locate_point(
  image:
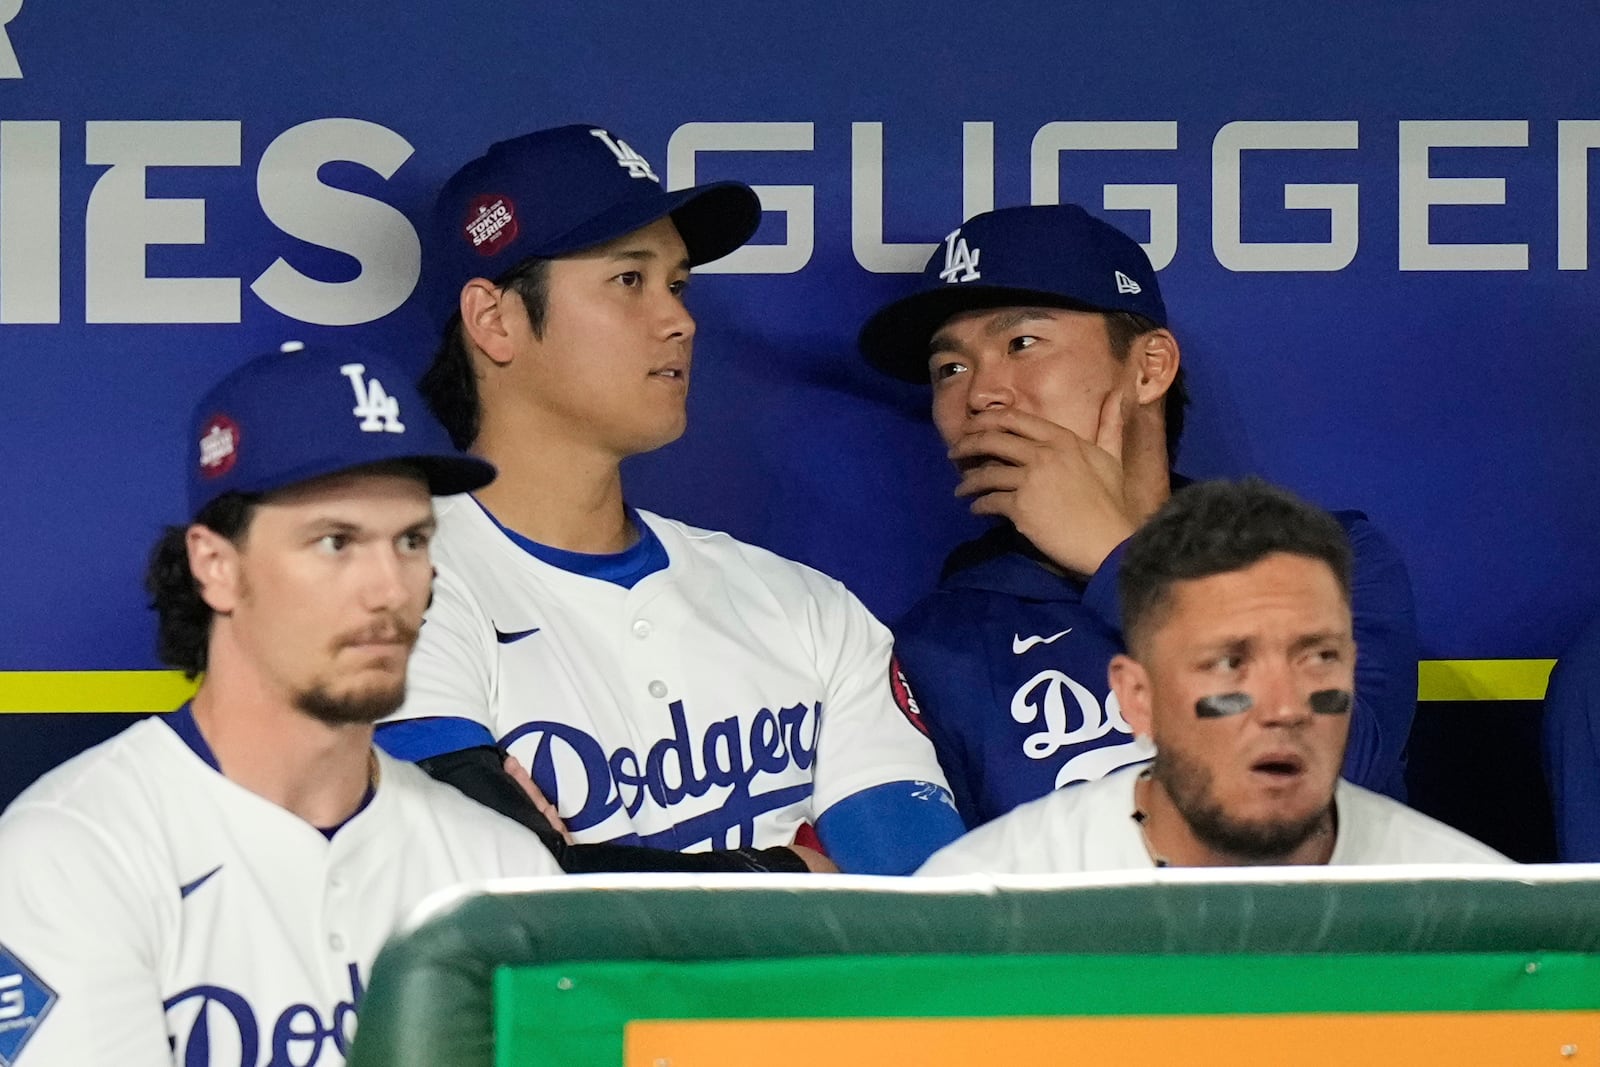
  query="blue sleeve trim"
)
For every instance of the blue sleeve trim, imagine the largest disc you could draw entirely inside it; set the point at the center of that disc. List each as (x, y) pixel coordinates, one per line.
(419, 739)
(890, 828)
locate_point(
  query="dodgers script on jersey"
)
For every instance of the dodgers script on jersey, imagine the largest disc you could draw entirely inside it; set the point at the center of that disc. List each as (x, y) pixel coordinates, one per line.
(152, 911)
(1091, 827)
(1009, 661)
(721, 702)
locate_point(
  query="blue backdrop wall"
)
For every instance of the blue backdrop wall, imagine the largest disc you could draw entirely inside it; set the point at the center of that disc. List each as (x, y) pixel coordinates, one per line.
(1373, 229)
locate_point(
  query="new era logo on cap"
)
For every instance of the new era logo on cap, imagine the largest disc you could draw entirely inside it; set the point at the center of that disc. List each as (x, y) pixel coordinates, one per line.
(1126, 284)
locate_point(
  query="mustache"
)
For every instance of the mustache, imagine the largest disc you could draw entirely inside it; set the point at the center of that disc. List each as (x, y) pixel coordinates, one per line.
(391, 629)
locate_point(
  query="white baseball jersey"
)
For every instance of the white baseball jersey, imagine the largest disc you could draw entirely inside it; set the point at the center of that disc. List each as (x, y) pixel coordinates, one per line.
(1090, 827)
(720, 702)
(152, 911)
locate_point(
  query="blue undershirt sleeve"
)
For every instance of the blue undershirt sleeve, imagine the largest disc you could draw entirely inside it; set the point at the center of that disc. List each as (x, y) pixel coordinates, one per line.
(419, 739)
(890, 828)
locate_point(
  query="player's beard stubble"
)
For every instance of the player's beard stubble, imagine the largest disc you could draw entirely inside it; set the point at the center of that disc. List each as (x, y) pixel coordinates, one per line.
(1188, 784)
(370, 703)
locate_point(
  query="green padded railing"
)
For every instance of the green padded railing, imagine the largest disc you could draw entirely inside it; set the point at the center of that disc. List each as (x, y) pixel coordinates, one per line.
(431, 999)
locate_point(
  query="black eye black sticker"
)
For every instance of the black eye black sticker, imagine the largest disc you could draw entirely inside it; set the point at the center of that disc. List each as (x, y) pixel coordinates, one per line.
(1332, 701)
(1221, 705)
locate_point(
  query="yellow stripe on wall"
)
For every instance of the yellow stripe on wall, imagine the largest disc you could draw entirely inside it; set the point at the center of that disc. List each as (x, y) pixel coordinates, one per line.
(46, 692)
(1483, 679)
(23, 692)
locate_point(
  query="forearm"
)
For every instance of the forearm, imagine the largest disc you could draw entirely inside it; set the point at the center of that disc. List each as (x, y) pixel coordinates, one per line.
(480, 774)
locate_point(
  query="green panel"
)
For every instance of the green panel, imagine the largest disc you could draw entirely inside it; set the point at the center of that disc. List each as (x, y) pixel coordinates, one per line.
(430, 1000)
(572, 1014)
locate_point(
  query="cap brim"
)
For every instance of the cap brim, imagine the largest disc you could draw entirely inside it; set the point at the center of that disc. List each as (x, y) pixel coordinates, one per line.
(449, 475)
(713, 220)
(895, 339)
(446, 475)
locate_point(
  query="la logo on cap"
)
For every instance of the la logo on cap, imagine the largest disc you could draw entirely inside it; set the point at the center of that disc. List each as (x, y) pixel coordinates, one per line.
(635, 164)
(960, 262)
(219, 446)
(491, 223)
(379, 412)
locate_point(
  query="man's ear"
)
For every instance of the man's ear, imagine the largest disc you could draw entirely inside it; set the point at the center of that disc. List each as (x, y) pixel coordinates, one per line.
(483, 317)
(1131, 682)
(1155, 358)
(214, 562)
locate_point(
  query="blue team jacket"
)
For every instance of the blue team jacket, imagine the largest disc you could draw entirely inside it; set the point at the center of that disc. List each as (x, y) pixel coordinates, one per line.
(1572, 748)
(1008, 662)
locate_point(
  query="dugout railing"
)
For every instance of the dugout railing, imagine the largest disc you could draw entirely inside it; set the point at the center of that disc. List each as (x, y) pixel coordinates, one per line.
(1490, 965)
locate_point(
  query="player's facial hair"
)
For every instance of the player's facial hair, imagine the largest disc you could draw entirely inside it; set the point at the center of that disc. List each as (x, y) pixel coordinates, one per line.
(351, 709)
(364, 707)
(1188, 784)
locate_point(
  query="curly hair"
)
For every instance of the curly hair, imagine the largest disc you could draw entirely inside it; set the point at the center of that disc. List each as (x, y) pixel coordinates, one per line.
(183, 635)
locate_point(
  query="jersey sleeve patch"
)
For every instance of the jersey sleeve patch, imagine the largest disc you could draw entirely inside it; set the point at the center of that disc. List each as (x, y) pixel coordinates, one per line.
(904, 699)
(24, 1002)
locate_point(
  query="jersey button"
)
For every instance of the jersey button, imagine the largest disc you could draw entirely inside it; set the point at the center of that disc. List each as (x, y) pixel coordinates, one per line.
(336, 943)
(641, 629)
(658, 689)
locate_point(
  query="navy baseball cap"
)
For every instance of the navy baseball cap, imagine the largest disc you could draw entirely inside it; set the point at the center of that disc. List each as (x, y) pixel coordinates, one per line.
(300, 413)
(1047, 255)
(557, 191)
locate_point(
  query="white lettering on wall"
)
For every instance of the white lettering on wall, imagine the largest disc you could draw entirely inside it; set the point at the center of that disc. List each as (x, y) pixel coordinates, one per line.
(376, 235)
(1340, 201)
(797, 203)
(30, 222)
(121, 222)
(1159, 201)
(1574, 139)
(9, 67)
(866, 195)
(1420, 190)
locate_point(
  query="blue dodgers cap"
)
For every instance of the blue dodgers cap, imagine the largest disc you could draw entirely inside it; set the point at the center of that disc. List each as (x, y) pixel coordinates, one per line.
(1048, 255)
(301, 413)
(552, 192)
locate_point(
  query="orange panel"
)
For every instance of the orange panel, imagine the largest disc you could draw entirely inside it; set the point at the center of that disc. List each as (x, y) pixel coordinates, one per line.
(1462, 1039)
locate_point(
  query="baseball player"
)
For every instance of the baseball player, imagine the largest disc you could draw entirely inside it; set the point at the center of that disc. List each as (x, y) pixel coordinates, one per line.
(1240, 670)
(1058, 388)
(210, 887)
(664, 686)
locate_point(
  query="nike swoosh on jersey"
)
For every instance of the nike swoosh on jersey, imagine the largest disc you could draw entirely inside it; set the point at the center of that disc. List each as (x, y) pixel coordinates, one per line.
(1020, 644)
(506, 638)
(185, 890)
